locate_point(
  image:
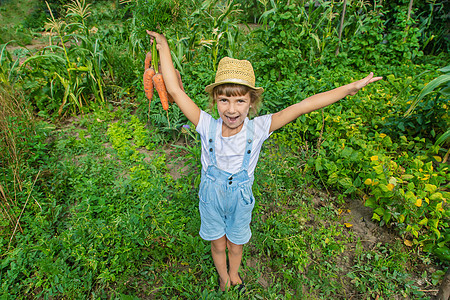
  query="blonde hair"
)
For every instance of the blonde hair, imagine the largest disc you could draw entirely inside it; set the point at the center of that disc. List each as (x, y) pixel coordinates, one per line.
(233, 89)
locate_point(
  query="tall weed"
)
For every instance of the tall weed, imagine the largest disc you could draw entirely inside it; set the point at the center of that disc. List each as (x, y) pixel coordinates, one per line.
(148, 15)
(16, 128)
(68, 75)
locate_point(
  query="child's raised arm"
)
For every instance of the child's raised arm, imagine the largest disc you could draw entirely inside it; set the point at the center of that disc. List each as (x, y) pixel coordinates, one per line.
(318, 101)
(187, 106)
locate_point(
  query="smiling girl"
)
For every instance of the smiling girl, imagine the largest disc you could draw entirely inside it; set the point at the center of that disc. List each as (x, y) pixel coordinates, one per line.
(230, 151)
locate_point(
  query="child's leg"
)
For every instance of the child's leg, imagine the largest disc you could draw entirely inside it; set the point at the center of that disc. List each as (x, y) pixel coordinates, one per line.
(234, 258)
(219, 255)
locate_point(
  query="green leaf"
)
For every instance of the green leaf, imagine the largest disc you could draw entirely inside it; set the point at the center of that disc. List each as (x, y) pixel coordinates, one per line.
(384, 188)
(409, 195)
(318, 164)
(370, 202)
(387, 216)
(433, 223)
(429, 88)
(346, 182)
(378, 169)
(350, 190)
(430, 188)
(436, 196)
(379, 211)
(43, 56)
(286, 15)
(424, 221)
(443, 253)
(357, 182)
(317, 39)
(437, 232)
(376, 217)
(444, 137)
(390, 77)
(445, 69)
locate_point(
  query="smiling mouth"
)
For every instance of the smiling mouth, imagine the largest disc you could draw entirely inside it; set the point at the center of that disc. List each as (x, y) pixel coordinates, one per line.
(232, 119)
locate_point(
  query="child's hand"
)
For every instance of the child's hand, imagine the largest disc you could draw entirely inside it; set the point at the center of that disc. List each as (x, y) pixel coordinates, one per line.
(357, 85)
(159, 38)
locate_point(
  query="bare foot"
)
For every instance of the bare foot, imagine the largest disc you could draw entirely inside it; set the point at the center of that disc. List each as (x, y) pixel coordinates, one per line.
(235, 279)
(224, 283)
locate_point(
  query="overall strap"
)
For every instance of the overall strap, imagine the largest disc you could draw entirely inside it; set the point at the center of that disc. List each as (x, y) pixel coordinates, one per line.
(248, 145)
(212, 141)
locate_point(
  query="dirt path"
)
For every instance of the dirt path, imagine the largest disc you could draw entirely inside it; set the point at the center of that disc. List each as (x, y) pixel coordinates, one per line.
(23, 51)
(372, 235)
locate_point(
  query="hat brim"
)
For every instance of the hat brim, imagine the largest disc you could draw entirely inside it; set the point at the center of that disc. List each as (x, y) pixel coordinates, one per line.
(209, 88)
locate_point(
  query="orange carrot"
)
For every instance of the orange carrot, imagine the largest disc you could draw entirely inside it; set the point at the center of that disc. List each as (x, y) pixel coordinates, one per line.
(160, 87)
(148, 84)
(148, 60)
(169, 96)
(171, 100)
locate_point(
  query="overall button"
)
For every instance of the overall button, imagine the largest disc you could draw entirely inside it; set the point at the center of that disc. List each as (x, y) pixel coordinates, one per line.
(231, 178)
(210, 140)
(249, 151)
(210, 149)
(230, 182)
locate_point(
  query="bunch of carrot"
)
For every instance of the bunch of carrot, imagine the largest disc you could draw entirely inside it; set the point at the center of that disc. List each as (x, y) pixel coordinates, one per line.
(154, 79)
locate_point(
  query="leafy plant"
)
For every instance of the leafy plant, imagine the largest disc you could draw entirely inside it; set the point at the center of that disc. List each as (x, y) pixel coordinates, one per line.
(442, 82)
(147, 15)
(16, 131)
(381, 274)
(8, 67)
(428, 15)
(293, 35)
(423, 111)
(412, 196)
(365, 32)
(73, 73)
(215, 27)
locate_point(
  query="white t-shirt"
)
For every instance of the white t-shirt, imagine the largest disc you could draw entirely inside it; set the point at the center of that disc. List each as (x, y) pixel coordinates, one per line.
(230, 150)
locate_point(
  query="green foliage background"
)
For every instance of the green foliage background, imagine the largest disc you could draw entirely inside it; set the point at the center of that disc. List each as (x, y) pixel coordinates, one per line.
(91, 205)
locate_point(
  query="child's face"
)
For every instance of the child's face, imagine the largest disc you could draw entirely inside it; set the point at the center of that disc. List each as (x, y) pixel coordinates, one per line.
(233, 110)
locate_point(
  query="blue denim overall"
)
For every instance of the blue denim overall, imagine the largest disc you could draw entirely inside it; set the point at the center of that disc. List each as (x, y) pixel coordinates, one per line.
(226, 200)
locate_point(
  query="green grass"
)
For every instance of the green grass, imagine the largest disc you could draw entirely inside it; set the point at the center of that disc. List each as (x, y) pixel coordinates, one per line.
(16, 19)
(14, 12)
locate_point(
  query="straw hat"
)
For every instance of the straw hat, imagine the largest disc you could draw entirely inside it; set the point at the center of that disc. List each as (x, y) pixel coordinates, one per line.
(236, 71)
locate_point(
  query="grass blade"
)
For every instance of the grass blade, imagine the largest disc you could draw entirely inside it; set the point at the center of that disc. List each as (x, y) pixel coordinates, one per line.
(428, 89)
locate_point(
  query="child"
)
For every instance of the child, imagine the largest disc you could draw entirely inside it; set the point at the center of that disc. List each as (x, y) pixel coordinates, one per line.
(230, 150)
